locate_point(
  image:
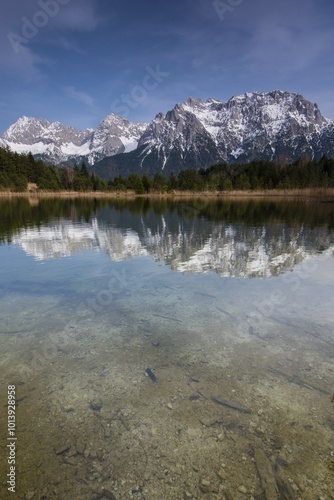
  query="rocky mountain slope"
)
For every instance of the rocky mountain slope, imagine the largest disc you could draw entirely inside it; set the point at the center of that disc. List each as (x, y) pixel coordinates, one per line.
(279, 126)
(58, 143)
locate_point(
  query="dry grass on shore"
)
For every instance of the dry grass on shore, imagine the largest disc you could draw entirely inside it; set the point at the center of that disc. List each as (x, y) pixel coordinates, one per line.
(314, 193)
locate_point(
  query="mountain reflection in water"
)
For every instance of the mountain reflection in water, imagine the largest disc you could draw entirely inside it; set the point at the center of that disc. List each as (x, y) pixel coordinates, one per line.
(238, 239)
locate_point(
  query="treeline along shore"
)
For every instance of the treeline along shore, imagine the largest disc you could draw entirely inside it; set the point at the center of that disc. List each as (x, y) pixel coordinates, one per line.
(22, 173)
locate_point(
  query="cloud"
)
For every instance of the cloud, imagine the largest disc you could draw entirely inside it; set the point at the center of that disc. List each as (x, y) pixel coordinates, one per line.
(80, 96)
(65, 44)
(22, 61)
(25, 30)
(79, 16)
(287, 49)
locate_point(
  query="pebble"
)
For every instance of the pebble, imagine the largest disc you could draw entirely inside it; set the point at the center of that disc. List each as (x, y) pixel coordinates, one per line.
(96, 404)
(208, 422)
(68, 409)
(242, 489)
(222, 474)
(108, 494)
(71, 461)
(106, 430)
(294, 487)
(194, 432)
(176, 469)
(72, 452)
(204, 486)
(169, 406)
(62, 449)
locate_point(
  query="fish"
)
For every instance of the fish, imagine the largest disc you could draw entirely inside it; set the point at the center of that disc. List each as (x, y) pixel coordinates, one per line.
(195, 397)
(229, 404)
(167, 317)
(297, 380)
(151, 375)
(12, 332)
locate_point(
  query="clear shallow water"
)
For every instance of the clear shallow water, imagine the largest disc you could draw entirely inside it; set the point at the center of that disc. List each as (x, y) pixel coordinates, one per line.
(229, 302)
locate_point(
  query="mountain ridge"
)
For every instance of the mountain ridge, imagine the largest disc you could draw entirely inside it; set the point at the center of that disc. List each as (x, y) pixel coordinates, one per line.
(280, 126)
(56, 143)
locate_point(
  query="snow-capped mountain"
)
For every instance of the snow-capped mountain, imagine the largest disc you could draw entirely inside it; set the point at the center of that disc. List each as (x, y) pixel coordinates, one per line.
(261, 124)
(58, 143)
(181, 137)
(114, 135)
(52, 141)
(279, 126)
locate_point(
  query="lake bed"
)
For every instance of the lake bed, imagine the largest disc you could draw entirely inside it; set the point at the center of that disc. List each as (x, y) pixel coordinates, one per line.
(169, 349)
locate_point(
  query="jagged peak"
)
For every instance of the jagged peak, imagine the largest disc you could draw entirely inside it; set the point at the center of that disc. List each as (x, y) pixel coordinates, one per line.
(119, 121)
(192, 101)
(276, 95)
(250, 125)
(24, 121)
(160, 116)
(112, 117)
(213, 100)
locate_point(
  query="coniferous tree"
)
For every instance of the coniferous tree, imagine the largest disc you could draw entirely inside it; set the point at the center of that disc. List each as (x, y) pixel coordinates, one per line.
(147, 183)
(160, 183)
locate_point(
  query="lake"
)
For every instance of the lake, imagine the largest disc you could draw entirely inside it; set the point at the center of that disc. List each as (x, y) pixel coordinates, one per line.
(166, 349)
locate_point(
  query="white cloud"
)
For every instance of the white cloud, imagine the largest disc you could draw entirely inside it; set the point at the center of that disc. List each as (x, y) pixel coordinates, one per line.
(65, 44)
(20, 60)
(80, 96)
(286, 49)
(78, 15)
(20, 29)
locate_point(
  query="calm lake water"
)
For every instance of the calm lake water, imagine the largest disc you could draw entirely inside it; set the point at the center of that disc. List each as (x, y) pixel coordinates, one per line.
(168, 350)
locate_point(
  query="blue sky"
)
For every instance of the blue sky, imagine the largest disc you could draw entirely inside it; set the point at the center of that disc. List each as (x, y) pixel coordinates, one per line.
(77, 61)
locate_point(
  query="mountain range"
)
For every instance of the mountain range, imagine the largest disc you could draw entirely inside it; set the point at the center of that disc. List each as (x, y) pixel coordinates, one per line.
(279, 126)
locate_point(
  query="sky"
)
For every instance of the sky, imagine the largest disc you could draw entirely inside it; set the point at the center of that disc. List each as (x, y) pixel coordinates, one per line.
(76, 61)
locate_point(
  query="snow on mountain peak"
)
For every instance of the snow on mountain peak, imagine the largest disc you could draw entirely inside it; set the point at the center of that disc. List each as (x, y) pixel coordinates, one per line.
(58, 143)
(253, 125)
(115, 135)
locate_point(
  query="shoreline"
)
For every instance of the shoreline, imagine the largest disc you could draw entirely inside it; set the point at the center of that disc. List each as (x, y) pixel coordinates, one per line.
(307, 193)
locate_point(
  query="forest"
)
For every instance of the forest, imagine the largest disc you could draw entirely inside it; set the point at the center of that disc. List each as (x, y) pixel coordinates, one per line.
(22, 172)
